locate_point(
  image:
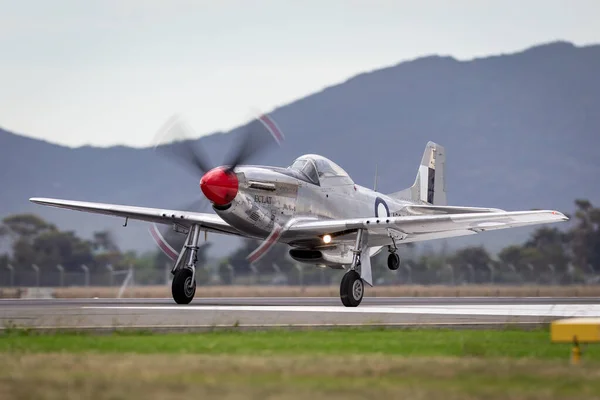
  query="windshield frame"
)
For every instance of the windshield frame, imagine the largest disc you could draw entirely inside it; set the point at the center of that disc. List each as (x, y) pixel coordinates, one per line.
(308, 166)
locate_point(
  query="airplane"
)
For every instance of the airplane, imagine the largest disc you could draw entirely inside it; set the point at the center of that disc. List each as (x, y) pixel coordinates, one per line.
(313, 206)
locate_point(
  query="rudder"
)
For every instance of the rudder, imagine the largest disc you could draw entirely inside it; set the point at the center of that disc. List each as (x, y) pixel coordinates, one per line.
(430, 183)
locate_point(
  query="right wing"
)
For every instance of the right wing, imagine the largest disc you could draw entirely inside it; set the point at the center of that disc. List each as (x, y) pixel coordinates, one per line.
(208, 222)
(424, 227)
(422, 209)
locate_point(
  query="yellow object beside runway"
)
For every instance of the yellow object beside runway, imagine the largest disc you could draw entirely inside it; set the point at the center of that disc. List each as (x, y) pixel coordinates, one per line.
(586, 330)
(576, 331)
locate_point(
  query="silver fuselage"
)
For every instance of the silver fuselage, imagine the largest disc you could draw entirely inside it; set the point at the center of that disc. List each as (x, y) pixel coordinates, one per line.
(269, 196)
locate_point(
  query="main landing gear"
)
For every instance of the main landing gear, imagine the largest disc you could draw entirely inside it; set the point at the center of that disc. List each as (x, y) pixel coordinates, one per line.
(352, 287)
(183, 287)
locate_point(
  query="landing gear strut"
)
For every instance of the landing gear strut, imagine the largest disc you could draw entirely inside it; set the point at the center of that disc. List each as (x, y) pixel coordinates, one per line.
(183, 287)
(352, 287)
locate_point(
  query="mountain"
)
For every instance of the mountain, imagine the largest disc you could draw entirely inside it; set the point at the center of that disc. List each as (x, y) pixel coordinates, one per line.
(521, 131)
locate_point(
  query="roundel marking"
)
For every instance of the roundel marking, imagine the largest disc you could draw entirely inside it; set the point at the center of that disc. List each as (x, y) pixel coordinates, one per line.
(381, 208)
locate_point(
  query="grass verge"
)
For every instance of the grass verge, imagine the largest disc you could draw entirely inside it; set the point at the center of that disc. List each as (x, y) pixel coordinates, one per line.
(159, 376)
(511, 343)
(339, 363)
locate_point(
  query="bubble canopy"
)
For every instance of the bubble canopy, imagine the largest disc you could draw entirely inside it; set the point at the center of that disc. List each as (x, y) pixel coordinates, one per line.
(321, 171)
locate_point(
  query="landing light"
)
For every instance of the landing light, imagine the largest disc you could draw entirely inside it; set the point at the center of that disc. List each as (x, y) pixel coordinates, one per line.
(326, 238)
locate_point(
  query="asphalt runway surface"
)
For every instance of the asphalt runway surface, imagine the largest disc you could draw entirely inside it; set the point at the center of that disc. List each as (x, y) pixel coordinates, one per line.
(266, 312)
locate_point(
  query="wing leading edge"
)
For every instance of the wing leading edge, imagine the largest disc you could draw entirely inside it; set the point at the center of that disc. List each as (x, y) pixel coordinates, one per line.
(420, 227)
(209, 222)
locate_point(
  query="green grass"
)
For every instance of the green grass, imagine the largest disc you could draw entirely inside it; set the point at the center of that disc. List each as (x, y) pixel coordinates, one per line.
(331, 364)
(512, 343)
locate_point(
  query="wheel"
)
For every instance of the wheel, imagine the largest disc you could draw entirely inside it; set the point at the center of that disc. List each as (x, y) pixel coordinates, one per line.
(393, 261)
(352, 289)
(182, 287)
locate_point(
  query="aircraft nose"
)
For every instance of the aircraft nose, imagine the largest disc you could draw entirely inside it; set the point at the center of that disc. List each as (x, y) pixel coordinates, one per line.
(219, 186)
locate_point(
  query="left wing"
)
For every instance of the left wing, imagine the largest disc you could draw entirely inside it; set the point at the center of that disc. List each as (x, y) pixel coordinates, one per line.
(422, 227)
(208, 222)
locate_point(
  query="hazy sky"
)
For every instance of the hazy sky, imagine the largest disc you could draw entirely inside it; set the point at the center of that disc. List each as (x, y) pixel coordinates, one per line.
(107, 72)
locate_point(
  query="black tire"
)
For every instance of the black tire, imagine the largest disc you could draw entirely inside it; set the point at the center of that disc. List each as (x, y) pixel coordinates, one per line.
(393, 261)
(352, 289)
(180, 287)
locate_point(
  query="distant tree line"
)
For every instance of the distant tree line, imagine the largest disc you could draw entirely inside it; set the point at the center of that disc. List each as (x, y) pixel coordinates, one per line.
(551, 254)
(34, 241)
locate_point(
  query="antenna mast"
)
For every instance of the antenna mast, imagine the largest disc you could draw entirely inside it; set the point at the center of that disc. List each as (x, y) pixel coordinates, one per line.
(375, 185)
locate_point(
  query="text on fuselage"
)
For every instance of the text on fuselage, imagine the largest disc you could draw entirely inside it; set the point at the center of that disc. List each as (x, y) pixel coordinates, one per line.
(263, 199)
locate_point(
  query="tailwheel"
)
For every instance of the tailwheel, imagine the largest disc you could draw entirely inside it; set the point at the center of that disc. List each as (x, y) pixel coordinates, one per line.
(352, 289)
(393, 261)
(183, 287)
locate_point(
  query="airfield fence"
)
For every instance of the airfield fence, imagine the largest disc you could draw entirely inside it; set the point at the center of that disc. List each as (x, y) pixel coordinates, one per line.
(300, 275)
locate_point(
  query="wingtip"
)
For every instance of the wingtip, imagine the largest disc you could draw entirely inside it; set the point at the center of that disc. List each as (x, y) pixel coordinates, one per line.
(560, 215)
(40, 200)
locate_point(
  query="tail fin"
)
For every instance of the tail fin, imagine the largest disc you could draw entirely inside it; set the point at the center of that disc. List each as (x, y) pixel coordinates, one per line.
(430, 184)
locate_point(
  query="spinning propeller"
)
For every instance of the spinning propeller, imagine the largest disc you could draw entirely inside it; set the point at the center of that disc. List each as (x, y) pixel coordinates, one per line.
(219, 184)
(170, 241)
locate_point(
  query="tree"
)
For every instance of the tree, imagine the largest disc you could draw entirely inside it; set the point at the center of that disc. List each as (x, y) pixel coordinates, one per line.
(104, 241)
(585, 236)
(3, 231)
(4, 234)
(26, 225)
(473, 263)
(106, 251)
(552, 249)
(52, 248)
(225, 274)
(523, 259)
(511, 255)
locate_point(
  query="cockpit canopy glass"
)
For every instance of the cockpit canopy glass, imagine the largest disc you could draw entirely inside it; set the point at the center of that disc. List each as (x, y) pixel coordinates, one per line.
(306, 167)
(320, 170)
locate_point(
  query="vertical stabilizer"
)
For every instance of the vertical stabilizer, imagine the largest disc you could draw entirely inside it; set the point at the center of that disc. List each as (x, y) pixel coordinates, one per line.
(430, 184)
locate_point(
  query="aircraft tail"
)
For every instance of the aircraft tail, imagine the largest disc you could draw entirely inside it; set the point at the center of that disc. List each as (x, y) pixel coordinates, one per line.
(430, 184)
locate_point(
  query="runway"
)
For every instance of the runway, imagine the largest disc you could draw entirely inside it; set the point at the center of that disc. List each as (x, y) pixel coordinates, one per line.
(299, 312)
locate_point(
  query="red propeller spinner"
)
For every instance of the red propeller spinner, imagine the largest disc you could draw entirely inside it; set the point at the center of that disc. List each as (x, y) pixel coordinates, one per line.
(219, 186)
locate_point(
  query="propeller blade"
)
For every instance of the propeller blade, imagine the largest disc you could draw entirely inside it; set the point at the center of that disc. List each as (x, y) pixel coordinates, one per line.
(270, 241)
(164, 244)
(175, 140)
(169, 241)
(256, 137)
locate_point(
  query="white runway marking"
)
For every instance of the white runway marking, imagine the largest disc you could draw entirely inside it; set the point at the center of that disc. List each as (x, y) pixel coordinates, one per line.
(524, 310)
